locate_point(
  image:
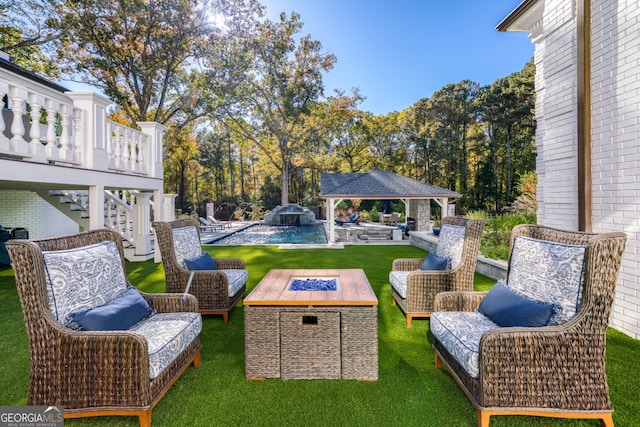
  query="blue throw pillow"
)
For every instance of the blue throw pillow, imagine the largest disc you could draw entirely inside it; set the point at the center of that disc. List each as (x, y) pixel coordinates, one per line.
(506, 308)
(435, 262)
(203, 262)
(118, 314)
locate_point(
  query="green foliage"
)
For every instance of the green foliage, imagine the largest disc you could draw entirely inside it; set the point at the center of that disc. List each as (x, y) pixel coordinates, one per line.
(137, 52)
(497, 232)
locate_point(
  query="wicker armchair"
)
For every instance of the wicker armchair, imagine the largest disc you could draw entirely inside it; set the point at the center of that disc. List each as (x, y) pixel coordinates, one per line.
(423, 285)
(92, 373)
(554, 371)
(210, 287)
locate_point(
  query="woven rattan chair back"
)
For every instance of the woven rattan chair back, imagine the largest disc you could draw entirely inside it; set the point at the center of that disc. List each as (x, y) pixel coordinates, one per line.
(209, 287)
(89, 373)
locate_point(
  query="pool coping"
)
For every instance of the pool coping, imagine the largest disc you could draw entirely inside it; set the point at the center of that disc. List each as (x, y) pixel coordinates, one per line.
(208, 238)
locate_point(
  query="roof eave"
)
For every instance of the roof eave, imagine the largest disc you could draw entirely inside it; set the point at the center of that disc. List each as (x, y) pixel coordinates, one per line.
(10, 66)
(518, 19)
(391, 196)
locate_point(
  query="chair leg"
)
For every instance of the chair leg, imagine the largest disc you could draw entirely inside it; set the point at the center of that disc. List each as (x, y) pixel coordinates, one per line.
(393, 301)
(607, 420)
(483, 418)
(438, 361)
(145, 418)
(225, 317)
(409, 319)
(196, 361)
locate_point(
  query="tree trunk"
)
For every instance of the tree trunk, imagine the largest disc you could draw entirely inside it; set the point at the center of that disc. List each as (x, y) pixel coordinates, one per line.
(284, 197)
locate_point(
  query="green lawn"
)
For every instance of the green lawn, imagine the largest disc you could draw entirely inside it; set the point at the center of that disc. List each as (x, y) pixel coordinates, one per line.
(409, 392)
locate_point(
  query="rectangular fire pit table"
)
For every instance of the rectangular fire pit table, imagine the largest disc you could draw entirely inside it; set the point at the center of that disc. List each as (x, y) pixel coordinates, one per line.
(327, 328)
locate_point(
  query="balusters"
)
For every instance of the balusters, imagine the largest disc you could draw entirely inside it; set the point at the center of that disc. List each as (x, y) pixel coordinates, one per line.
(111, 144)
(77, 128)
(140, 166)
(4, 90)
(35, 102)
(117, 153)
(35, 147)
(110, 213)
(119, 222)
(65, 149)
(128, 231)
(126, 148)
(17, 104)
(51, 149)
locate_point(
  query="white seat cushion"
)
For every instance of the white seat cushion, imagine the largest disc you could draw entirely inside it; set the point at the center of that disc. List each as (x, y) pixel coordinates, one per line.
(398, 280)
(459, 333)
(237, 279)
(167, 335)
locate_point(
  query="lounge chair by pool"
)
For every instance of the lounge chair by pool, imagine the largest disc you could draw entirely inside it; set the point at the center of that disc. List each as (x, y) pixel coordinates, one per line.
(353, 219)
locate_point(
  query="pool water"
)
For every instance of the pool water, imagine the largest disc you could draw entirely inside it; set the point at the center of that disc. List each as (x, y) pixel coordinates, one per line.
(261, 234)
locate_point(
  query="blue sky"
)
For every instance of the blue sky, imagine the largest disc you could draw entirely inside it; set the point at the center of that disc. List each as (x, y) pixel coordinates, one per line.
(399, 51)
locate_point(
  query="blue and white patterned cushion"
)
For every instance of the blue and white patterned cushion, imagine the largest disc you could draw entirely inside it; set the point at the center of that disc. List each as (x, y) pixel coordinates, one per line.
(236, 279)
(548, 272)
(459, 332)
(167, 335)
(83, 278)
(398, 280)
(451, 243)
(186, 244)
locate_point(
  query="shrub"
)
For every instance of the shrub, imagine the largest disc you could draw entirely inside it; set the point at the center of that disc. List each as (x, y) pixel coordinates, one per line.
(497, 231)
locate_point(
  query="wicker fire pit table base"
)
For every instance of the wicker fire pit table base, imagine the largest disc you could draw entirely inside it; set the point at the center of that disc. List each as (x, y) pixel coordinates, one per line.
(312, 324)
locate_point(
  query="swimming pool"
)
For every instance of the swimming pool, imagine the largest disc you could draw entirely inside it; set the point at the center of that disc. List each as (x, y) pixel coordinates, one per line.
(260, 234)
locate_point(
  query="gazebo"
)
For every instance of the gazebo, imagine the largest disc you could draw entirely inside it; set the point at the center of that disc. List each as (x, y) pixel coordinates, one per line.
(382, 185)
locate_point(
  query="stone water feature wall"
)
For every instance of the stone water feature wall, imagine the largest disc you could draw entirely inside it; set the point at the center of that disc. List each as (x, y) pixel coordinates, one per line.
(292, 214)
(420, 210)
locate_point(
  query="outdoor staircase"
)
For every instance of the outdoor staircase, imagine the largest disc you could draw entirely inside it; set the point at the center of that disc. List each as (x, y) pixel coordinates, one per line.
(118, 216)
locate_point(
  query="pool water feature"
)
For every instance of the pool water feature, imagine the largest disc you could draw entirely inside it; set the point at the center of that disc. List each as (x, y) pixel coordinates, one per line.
(291, 214)
(261, 234)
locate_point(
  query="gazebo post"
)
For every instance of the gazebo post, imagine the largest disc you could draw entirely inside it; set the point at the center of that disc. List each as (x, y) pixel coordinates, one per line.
(331, 218)
(443, 203)
(406, 211)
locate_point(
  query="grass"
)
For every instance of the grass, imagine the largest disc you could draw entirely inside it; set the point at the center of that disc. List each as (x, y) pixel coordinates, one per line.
(409, 392)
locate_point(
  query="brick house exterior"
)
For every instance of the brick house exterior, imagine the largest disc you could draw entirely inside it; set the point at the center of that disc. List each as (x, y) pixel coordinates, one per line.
(603, 132)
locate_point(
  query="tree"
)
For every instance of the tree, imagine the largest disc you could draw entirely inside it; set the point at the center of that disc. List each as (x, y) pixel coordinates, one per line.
(344, 130)
(507, 107)
(25, 35)
(265, 81)
(137, 52)
(181, 168)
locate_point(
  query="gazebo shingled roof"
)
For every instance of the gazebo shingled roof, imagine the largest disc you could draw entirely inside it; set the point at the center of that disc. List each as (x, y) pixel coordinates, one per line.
(379, 184)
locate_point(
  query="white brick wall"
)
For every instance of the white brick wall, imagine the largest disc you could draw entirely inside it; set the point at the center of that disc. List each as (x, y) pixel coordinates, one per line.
(556, 139)
(615, 133)
(28, 210)
(616, 144)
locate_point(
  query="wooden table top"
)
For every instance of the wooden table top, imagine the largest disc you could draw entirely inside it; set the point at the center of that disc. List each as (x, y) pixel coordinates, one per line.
(354, 289)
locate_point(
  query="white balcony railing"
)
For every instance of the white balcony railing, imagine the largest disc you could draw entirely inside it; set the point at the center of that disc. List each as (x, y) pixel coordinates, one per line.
(43, 123)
